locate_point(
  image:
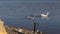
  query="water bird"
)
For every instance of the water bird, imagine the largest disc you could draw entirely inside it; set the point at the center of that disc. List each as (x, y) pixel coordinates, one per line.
(44, 15)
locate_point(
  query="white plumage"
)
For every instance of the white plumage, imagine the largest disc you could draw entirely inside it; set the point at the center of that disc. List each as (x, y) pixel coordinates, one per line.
(44, 15)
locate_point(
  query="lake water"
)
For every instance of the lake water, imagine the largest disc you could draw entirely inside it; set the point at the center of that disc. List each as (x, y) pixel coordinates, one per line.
(13, 12)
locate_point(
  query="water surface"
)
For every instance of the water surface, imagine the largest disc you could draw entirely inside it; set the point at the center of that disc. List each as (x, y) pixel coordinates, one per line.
(12, 11)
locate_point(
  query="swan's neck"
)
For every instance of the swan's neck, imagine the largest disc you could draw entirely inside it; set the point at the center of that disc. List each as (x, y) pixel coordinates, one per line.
(47, 14)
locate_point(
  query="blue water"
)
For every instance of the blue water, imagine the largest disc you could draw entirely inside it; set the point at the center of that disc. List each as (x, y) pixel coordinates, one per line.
(13, 12)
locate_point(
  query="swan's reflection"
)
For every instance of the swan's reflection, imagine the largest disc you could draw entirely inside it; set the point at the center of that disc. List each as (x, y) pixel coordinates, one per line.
(44, 18)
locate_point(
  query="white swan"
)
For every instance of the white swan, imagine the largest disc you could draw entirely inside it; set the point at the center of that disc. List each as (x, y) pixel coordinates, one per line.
(45, 15)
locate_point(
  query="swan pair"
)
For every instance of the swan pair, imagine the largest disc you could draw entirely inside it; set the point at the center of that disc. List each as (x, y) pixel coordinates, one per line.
(41, 15)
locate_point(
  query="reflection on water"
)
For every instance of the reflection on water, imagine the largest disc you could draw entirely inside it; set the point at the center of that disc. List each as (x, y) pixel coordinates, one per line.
(44, 18)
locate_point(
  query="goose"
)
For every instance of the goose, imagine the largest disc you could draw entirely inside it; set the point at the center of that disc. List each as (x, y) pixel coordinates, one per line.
(44, 15)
